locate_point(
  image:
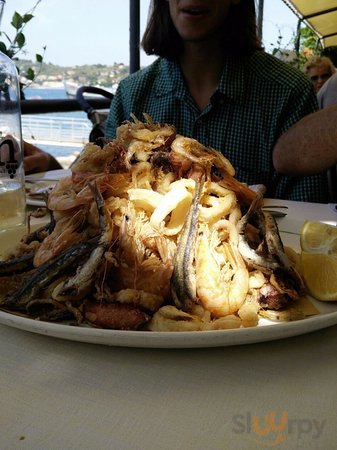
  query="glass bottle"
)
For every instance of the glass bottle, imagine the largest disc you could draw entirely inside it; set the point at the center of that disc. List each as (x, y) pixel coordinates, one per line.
(12, 177)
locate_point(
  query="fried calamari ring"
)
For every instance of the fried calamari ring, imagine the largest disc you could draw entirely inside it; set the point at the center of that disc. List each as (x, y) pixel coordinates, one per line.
(146, 199)
(169, 216)
(187, 183)
(216, 203)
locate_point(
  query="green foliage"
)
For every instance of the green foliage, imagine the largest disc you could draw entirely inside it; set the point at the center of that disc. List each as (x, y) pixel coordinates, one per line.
(309, 40)
(15, 46)
(308, 45)
(301, 47)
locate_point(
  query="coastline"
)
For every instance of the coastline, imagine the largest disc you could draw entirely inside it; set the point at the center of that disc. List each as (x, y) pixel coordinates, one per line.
(65, 150)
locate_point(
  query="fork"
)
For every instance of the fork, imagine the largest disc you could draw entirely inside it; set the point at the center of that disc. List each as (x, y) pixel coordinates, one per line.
(276, 210)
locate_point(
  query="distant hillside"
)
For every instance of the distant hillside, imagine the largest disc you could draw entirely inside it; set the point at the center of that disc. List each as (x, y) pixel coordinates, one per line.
(96, 74)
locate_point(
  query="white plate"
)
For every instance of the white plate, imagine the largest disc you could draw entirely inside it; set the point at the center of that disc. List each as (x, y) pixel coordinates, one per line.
(51, 176)
(189, 339)
(30, 201)
(266, 331)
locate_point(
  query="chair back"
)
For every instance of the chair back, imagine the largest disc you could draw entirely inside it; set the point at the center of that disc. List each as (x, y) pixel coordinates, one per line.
(98, 118)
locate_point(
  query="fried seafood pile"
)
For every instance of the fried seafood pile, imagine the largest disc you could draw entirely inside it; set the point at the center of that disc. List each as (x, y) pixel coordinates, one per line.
(152, 232)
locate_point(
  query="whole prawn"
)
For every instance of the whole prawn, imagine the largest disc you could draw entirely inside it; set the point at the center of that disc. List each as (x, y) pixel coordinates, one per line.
(69, 230)
(220, 291)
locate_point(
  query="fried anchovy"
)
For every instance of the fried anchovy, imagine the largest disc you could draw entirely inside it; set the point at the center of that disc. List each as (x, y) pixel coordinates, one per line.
(36, 235)
(84, 275)
(17, 265)
(274, 243)
(183, 289)
(46, 273)
(266, 263)
(276, 248)
(24, 262)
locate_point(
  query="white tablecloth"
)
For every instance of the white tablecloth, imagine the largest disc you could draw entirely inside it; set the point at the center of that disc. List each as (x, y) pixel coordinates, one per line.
(59, 394)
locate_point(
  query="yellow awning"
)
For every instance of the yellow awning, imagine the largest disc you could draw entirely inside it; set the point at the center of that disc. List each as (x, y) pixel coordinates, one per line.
(320, 15)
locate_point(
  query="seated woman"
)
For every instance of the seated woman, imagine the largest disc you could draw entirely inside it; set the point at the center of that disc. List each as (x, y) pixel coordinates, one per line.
(214, 81)
(319, 69)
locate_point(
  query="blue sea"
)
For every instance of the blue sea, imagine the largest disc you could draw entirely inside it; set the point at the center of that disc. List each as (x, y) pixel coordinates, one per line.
(54, 93)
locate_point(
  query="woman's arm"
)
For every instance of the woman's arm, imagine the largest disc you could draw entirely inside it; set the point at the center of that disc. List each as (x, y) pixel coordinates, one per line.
(309, 146)
(36, 160)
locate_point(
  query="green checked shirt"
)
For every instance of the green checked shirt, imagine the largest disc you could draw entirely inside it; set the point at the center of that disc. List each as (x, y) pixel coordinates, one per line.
(258, 99)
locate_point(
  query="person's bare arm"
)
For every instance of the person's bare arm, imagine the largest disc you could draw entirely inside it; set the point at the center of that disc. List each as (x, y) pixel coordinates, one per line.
(36, 160)
(309, 146)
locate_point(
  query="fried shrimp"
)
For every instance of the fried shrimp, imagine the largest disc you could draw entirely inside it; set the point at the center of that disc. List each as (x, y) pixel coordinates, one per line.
(67, 232)
(221, 288)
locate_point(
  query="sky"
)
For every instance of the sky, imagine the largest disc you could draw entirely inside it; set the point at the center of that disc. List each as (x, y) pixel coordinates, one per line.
(78, 32)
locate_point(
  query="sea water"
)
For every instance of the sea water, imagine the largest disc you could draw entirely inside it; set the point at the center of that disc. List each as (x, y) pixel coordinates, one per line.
(65, 154)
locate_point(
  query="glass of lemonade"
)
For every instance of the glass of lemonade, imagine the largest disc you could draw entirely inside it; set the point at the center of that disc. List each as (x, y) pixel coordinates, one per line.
(12, 204)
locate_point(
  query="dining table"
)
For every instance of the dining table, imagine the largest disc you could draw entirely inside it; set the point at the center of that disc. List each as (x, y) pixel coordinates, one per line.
(130, 392)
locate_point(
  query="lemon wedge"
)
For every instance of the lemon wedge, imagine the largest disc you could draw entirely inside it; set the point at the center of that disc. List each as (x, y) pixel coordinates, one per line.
(319, 272)
(317, 237)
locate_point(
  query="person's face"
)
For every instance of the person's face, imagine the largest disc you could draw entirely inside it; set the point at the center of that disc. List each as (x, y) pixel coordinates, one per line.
(318, 76)
(196, 20)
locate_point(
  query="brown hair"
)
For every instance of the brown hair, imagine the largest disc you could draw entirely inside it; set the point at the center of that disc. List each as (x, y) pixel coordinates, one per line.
(240, 31)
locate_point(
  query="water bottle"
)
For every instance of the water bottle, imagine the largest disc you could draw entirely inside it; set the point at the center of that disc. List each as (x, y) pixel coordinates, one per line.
(12, 179)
